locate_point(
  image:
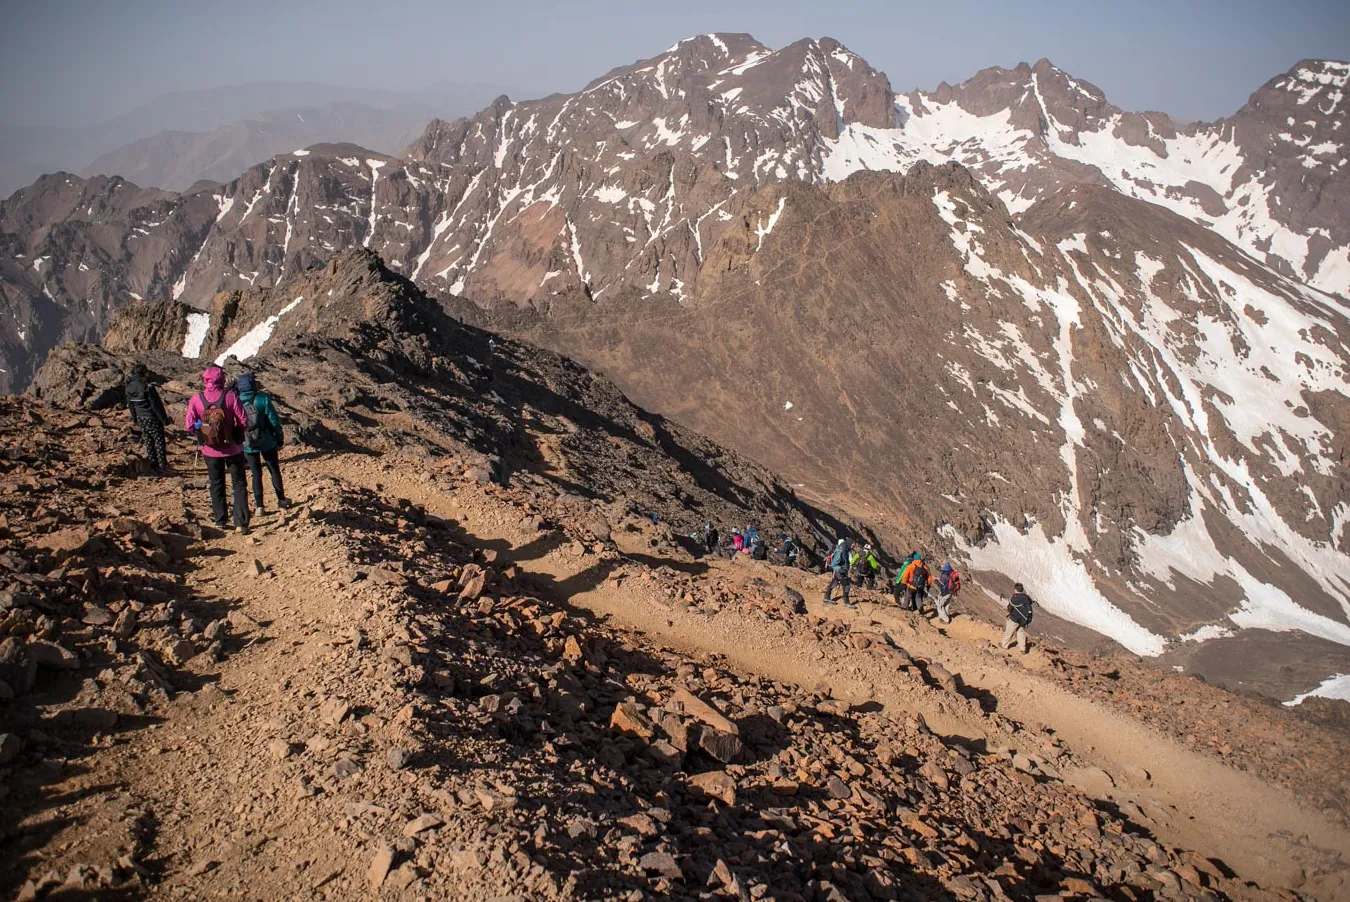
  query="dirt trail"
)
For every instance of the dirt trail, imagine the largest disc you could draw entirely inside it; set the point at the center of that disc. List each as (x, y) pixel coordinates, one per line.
(1185, 797)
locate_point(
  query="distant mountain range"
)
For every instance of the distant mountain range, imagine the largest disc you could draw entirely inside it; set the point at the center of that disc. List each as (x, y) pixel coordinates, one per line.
(228, 129)
(1092, 349)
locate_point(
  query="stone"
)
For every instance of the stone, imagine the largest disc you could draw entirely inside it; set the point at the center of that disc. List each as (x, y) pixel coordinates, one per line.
(572, 652)
(661, 862)
(397, 758)
(10, 746)
(242, 622)
(935, 774)
(700, 710)
(380, 864)
(334, 710)
(724, 747)
(641, 824)
(837, 789)
(257, 568)
(88, 718)
(125, 625)
(50, 656)
(628, 719)
(495, 801)
(279, 749)
(677, 731)
(180, 651)
(717, 784)
(97, 615)
(65, 543)
(421, 824)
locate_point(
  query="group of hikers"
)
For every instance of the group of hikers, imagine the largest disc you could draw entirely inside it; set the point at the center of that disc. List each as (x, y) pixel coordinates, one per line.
(913, 587)
(237, 429)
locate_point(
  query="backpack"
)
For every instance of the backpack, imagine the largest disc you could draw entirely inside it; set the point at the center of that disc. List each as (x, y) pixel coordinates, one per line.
(216, 430)
(918, 576)
(1020, 610)
(256, 426)
(953, 583)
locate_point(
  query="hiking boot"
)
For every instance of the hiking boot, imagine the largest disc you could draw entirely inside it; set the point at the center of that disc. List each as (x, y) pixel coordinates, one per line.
(851, 605)
(283, 504)
(830, 601)
(241, 530)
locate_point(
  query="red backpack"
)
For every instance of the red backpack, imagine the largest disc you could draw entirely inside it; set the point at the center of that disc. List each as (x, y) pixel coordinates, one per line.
(216, 430)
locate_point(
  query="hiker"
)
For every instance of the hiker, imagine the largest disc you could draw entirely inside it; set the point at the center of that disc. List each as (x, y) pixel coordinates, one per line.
(709, 538)
(838, 564)
(263, 439)
(915, 579)
(1019, 618)
(948, 584)
(216, 418)
(148, 413)
(750, 535)
(866, 567)
(790, 550)
(737, 542)
(758, 550)
(898, 586)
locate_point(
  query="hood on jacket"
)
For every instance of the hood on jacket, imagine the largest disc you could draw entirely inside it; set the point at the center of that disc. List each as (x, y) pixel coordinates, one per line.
(213, 379)
(246, 383)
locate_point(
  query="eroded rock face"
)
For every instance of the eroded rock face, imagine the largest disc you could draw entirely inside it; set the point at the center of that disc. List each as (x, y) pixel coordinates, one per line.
(1075, 398)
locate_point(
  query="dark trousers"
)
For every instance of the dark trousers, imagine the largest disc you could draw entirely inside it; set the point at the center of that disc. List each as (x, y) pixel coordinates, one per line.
(152, 433)
(215, 471)
(272, 459)
(837, 579)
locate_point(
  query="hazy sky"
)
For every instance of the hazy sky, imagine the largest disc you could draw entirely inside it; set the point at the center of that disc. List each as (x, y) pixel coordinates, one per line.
(75, 61)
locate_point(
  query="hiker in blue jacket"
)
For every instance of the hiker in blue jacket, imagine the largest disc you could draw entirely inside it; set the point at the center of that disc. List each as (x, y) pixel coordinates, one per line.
(839, 566)
(263, 439)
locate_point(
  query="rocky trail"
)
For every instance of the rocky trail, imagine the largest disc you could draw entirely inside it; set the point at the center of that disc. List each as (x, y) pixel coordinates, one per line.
(419, 684)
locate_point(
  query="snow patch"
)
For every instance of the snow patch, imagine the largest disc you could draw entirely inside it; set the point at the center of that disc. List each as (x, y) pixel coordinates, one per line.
(252, 341)
(1337, 686)
(198, 325)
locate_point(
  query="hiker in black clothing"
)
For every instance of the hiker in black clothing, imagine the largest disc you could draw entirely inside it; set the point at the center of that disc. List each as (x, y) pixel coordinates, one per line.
(710, 538)
(148, 413)
(1019, 618)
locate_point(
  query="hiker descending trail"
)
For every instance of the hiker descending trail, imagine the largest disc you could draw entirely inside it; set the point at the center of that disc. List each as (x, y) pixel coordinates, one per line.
(263, 440)
(216, 419)
(148, 413)
(1019, 618)
(948, 584)
(866, 567)
(914, 579)
(839, 567)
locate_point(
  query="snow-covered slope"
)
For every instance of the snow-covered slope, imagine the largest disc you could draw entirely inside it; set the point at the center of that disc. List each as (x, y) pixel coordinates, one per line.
(1271, 179)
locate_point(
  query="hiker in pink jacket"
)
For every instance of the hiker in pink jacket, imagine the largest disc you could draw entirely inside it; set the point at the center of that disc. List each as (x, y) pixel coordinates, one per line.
(216, 418)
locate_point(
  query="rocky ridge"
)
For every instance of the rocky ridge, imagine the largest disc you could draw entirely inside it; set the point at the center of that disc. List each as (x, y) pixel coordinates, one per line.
(1098, 431)
(418, 713)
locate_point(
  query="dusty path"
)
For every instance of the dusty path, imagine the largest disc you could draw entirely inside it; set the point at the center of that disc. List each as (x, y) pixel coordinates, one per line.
(1185, 797)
